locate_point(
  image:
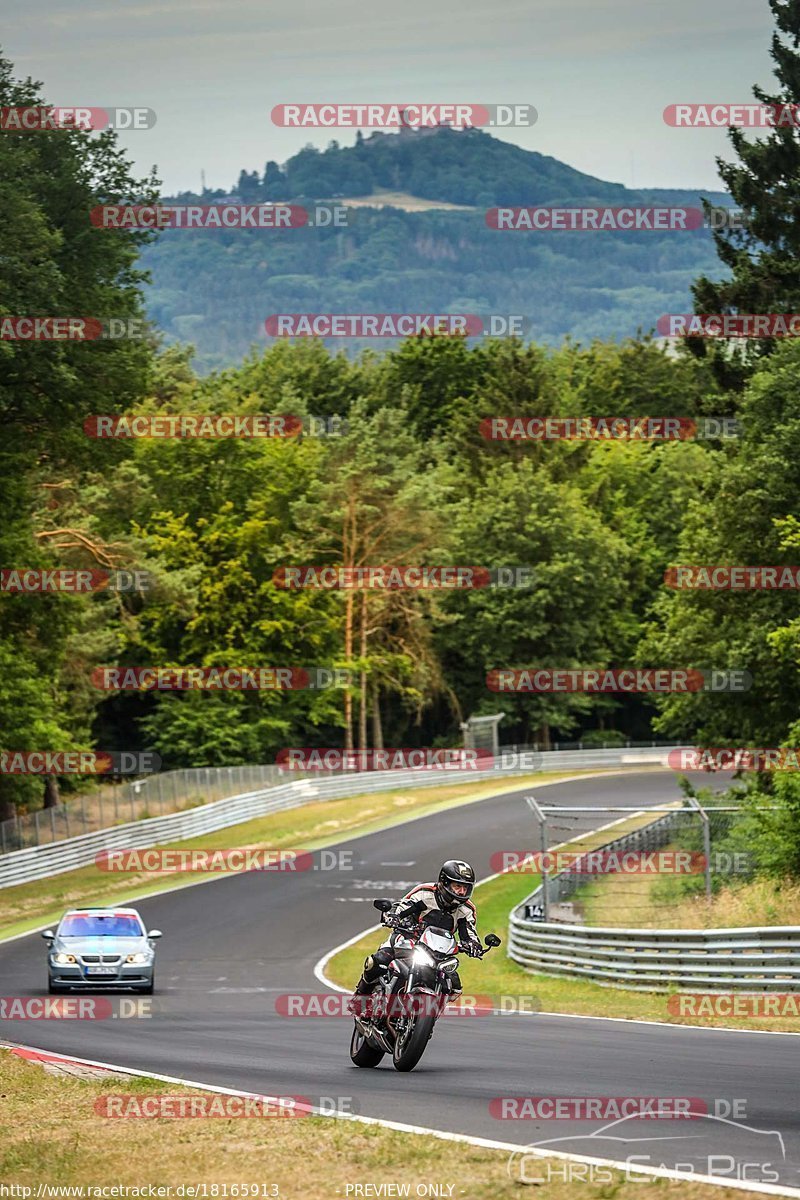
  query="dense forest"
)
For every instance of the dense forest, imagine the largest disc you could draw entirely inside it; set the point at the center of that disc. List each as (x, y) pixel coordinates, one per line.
(405, 477)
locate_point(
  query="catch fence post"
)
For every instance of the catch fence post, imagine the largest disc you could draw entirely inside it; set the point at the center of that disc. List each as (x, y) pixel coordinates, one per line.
(706, 842)
(542, 819)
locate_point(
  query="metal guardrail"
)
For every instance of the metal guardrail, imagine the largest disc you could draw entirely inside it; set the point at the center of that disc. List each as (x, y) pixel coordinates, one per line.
(662, 960)
(751, 959)
(39, 862)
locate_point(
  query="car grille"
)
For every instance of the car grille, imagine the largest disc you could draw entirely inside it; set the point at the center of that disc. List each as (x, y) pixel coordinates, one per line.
(109, 959)
(112, 959)
(91, 958)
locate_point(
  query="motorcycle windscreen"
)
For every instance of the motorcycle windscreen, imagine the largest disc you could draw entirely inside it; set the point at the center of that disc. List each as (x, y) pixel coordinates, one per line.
(438, 940)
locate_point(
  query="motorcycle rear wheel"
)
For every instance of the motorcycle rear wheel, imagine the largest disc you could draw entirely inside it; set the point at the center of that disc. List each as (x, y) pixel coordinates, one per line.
(361, 1052)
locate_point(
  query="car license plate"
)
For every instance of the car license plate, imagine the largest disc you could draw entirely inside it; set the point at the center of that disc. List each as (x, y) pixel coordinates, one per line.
(101, 970)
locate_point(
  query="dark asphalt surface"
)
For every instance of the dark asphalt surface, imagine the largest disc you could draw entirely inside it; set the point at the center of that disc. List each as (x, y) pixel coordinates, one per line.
(230, 947)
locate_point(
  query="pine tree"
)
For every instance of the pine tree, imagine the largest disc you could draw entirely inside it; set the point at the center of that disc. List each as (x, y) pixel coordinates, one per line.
(764, 255)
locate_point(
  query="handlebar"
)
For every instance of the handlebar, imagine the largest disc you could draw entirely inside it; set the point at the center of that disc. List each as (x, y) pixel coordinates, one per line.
(398, 923)
(462, 949)
(403, 925)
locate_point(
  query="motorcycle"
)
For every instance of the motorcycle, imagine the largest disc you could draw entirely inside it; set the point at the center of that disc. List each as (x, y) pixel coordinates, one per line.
(399, 1015)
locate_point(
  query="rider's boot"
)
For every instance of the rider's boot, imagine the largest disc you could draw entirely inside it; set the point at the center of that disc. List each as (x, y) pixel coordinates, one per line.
(364, 986)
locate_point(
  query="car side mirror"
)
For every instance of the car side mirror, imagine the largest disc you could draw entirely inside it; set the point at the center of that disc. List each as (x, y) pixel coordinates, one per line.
(382, 905)
(48, 935)
(155, 933)
(491, 940)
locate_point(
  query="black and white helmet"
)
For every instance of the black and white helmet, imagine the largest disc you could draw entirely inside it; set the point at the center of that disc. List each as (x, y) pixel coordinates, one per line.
(455, 884)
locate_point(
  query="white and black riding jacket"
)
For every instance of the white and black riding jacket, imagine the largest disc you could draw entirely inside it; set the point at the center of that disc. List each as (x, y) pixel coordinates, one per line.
(422, 899)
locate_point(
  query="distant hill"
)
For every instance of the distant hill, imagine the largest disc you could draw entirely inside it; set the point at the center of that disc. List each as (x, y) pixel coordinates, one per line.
(216, 288)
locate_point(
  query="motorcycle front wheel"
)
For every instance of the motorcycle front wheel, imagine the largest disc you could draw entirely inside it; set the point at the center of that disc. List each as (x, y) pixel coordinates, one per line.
(409, 1050)
(361, 1052)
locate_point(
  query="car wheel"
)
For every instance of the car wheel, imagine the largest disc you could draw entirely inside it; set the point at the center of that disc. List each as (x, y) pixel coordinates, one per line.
(55, 989)
(148, 988)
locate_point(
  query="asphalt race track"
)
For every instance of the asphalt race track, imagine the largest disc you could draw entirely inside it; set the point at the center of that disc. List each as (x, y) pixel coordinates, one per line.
(230, 947)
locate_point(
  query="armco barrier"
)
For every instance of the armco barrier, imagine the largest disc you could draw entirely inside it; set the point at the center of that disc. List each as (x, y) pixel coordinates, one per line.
(654, 960)
(39, 862)
(661, 960)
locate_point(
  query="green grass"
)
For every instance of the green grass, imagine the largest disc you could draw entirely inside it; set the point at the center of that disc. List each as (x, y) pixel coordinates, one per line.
(51, 1134)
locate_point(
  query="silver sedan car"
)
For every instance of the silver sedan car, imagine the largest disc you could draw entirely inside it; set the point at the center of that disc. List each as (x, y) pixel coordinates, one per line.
(101, 948)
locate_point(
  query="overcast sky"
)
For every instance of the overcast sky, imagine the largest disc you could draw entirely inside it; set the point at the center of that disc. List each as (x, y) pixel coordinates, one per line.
(599, 72)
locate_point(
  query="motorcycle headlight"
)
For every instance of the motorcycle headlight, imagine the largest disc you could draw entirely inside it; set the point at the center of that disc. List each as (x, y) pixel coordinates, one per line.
(136, 958)
(63, 959)
(422, 958)
(449, 964)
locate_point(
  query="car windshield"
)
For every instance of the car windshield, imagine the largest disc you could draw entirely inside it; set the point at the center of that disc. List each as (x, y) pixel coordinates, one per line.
(100, 925)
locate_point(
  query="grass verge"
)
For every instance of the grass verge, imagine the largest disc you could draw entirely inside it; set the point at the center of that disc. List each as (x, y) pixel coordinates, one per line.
(50, 1134)
(664, 902)
(309, 827)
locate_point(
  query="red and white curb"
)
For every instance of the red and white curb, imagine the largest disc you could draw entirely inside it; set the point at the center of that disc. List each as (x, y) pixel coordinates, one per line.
(58, 1064)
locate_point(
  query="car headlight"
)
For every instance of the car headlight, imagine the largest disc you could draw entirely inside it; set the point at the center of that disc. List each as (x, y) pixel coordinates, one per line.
(63, 959)
(422, 958)
(137, 958)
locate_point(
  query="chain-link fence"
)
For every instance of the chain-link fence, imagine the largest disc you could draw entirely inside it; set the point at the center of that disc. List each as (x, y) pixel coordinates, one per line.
(152, 796)
(637, 868)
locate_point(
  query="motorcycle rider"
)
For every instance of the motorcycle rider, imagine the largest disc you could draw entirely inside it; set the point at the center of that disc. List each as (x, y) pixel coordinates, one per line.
(450, 895)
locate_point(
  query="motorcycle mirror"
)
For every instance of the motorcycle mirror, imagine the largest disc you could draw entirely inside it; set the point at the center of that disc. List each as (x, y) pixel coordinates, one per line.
(382, 905)
(491, 940)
